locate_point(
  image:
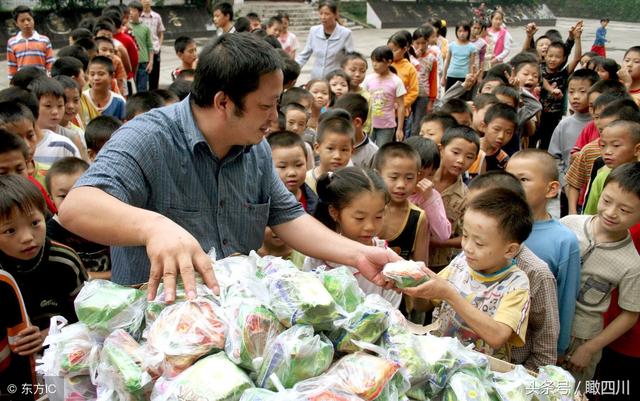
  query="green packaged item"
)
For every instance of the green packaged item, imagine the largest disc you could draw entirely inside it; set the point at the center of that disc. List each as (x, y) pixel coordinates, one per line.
(214, 378)
(105, 306)
(366, 323)
(441, 364)
(259, 394)
(159, 303)
(465, 387)
(559, 384)
(343, 287)
(404, 348)
(405, 273)
(122, 353)
(363, 374)
(300, 298)
(515, 385)
(295, 355)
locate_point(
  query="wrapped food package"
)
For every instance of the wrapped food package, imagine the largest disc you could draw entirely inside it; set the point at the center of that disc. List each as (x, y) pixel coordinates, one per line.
(563, 384)
(79, 388)
(405, 273)
(239, 280)
(183, 333)
(317, 391)
(72, 351)
(514, 385)
(363, 374)
(343, 287)
(159, 303)
(105, 306)
(404, 348)
(366, 323)
(295, 355)
(465, 387)
(213, 378)
(300, 298)
(251, 328)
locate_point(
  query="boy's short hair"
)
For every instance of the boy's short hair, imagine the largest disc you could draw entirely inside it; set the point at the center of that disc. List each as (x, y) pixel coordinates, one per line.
(242, 24)
(186, 74)
(282, 121)
(604, 19)
(461, 132)
(68, 83)
(482, 100)
(446, 120)
(508, 91)
(622, 109)
(136, 4)
(10, 142)
(293, 106)
(87, 44)
(291, 70)
(335, 121)
(355, 104)
(115, 16)
(608, 86)
(64, 166)
(75, 51)
(99, 131)
(79, 33)
(142, 102)
(21, 10)
(455, 105)
(605, 99)
(395, 150)
(166, 95)
(509, 209)
(225, 8)
(294, 95)
(181, 43)
(103, 24)
(46, 86)
(632, 127)
(557, 44)
(26, 75)
(287, 139)
(104, 61)
(627, 176)
(253, 16)
(500, 71)
(105, 39)
(545, 160)
(501, 110)
(67, 66)
(276, 19)
(181, 87)
(14, 112)
(17, 193)
(497, 179)
(19, 96)
(584, 74)
(427, 149)
(525, 58)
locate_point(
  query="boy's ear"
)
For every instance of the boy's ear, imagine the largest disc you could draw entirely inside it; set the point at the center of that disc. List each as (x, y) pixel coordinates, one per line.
(440, 148)
(553, 188)
(636, 151)
(316, 146)
(512, 250)
(357, 122)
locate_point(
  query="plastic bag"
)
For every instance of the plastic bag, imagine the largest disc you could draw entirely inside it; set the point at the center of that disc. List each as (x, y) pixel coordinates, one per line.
(72, 350)
(366, 323)
(155, 307)
(515, 385)
(405, 273)
(183, 333)
(79, 388)
(558, 384)
(404, 348)
(238, 279)
(363, 374)
(104, 307)
(300, 298)
(465, 387)
(295, 355)
(343, 287)
(316, 392)
(214, 378)
(251, 328)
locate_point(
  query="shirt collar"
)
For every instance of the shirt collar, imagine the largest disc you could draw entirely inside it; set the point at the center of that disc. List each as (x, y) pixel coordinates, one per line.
(34, 36)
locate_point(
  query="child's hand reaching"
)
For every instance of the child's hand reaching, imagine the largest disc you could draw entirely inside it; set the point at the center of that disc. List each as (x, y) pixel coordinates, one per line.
(425, 188)
(435, 288)
(29, 341)
(531, 29)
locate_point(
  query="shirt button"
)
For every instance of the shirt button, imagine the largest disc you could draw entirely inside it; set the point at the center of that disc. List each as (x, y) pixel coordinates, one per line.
(221, 203)
(225, 242)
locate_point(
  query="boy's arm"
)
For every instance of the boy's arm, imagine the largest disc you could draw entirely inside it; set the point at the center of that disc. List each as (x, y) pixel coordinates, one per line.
(12, 63)
(577, 54)
(400, 117)
(431, 202)
(531, 29)
(124, 57)
(412, 92)
(446, 67)
(620, 325)
(573, 194)
(568, 288)
(421, 250)
(150, 51)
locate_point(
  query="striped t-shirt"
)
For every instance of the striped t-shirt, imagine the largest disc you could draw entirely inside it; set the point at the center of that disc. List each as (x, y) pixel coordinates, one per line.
(33, 51)
(579, 171)
(53, 147)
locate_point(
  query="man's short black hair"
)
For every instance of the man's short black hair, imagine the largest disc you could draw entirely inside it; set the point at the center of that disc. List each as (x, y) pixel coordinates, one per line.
(26, 75)
(497, 179)
(181, 43)
(461, 132)
(65, 166)
(396, 149)
(46, 86)
(627, 176)
(509, 209)
(501, 110)
(230, 65)
(142, 102)
(21, 10)
(355, 104)
(287, 139)
(76, 51)
(99, 131)
(67, 66)
(21, 96)
(225, 8)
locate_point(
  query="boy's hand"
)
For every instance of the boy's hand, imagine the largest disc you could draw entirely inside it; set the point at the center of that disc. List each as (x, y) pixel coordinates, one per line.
(580, 358)
(399, 135)
(555, 91)
(149, 67)
(29, 342)
(531, 29)
(425, 188)
(435, 288)
(472, 77)
(443, 82)
(623, 75)
(512, 79)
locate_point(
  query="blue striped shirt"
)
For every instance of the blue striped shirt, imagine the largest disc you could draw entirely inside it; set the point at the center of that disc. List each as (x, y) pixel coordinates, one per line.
(160, 161)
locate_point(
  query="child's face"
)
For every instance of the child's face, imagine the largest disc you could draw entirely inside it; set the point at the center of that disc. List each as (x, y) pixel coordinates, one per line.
(356, 69)
(618, 147)
(106, 49)
(51, 110)
(335, 151)
(22, 235)
(508, 100)
(271, 240)
(528, 77)
(71, 104)
(584, 61)
(489, 86)
(592, 99)
(320, 92)
(578, 98)
(463, 118)
(296, 121)
(618, 210)
(554, 58)
(533, 180)
(432, 130)
(458, 156)
(499, 132)
(420, 46)
(306, 102)
(426, 172)
(483, 243)
(25, 23)
(25, 129)
(542, 46)
(134, 15)
(13, 162)
(380, 66)
(274, 29)
(496, 21)
(61, 184)
(476, 30)
(80, 79)
(285, 25)
(291, 165)
(398, 52)
(254, 24)
(602, 73)
(339, 86)
(632, 64)
(478, 119)
(361, 219)
(604, 23)
(190, 54)
(602, 122)
(400, 175)
(462, 33)
(105, 32)
(99, 76)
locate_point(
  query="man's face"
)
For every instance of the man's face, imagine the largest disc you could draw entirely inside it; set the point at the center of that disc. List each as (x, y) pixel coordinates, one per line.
(219, 19)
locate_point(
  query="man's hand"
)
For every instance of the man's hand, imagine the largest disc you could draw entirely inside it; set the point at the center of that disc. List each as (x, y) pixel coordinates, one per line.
(29, 341)
(172, 250)
(371, 262)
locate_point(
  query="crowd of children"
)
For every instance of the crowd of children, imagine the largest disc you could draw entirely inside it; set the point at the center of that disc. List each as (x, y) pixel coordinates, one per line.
(515, 178)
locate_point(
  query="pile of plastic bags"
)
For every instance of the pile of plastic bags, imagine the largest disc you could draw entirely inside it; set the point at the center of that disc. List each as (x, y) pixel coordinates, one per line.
(273, 333)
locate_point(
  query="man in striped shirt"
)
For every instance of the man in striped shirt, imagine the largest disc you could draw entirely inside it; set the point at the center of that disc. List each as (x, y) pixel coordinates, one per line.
(28, 47)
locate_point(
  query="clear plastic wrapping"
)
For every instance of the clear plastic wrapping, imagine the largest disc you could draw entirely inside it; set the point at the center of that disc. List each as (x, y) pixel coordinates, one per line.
(366, 323)
(405, 273)
(343, 287)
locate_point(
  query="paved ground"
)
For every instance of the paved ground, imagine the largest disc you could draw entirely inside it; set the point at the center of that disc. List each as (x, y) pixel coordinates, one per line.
(621, 34)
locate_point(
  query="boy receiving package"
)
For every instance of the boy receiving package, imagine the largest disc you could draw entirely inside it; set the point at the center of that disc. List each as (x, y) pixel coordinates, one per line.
(550, 240)
(28, 47)
(334, 144)
(365, 149)
(458, 150)
(107, 102)
(609, 261)
(289, 157)
(482, 296)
